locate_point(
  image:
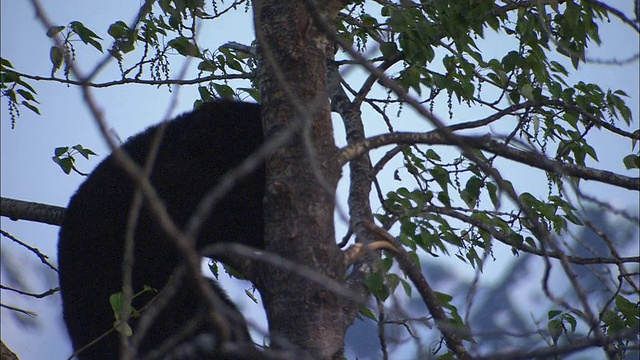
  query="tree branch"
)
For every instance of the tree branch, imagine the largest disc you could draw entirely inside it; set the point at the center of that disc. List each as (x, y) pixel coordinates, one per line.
(554, 352)
(485, 143)
(126, 81)
(31, 211)
(450, 330)
(505, 239)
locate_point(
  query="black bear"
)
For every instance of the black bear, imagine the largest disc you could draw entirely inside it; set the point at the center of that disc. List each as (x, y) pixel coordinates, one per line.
(196, 150)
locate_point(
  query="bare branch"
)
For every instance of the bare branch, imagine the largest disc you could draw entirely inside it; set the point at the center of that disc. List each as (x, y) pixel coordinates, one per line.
(43, 258)
(576, 345)
(32, 211)
(30, 294)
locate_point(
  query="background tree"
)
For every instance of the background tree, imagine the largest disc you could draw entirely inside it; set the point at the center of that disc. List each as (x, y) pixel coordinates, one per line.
(466, 96)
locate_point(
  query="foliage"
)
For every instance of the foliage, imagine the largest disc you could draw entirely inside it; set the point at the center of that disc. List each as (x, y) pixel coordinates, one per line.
(13, 85)
(443, 204)
(64, 156)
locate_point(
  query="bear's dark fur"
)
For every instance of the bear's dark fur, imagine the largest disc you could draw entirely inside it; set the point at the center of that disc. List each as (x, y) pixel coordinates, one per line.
(197, 149)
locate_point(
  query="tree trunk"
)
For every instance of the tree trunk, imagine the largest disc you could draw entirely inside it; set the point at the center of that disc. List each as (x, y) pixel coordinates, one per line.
(301, 180)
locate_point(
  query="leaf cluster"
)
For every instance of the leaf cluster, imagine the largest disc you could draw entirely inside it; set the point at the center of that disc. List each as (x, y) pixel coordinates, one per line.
(16, 90)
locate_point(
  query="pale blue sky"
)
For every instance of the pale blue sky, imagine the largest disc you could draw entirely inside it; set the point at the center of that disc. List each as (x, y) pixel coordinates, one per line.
(28, 173)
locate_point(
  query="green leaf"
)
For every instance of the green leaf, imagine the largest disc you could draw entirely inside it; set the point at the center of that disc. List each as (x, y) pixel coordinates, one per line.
(474, 184)
(26, 85)
(530, 201)
(59, 151)
(8, 78)
(571, 320)
(251, 295)
(443, 298)
(433, 155)
(441, 176)
(116, 304)
(122, 328)
(175, 21)
(514, 96)
(11, 94)
(375, 284)
(493, 194)
(225, 91)
(84, 151)
(627, 308)
(26, 95)
(86, 35)
(6, 63)
(510, 61)
(410, 79)
(66, 164)
(443, 197)
(206, 65)
(407, 287)
(471, 192)
(254, 93)
(118, 30)
(573, 218)
(126, 46)
(589, 150)
(205, 95)
(56, 56)
(536, 124)
(54, 30)
(631, 161)
(183, 46)
(527, 92)
(388, 49)
(366, 312)
(31, 107)
(555, 329)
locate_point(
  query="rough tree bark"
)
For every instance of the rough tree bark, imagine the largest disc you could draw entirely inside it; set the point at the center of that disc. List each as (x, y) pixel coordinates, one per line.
(301, 179)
